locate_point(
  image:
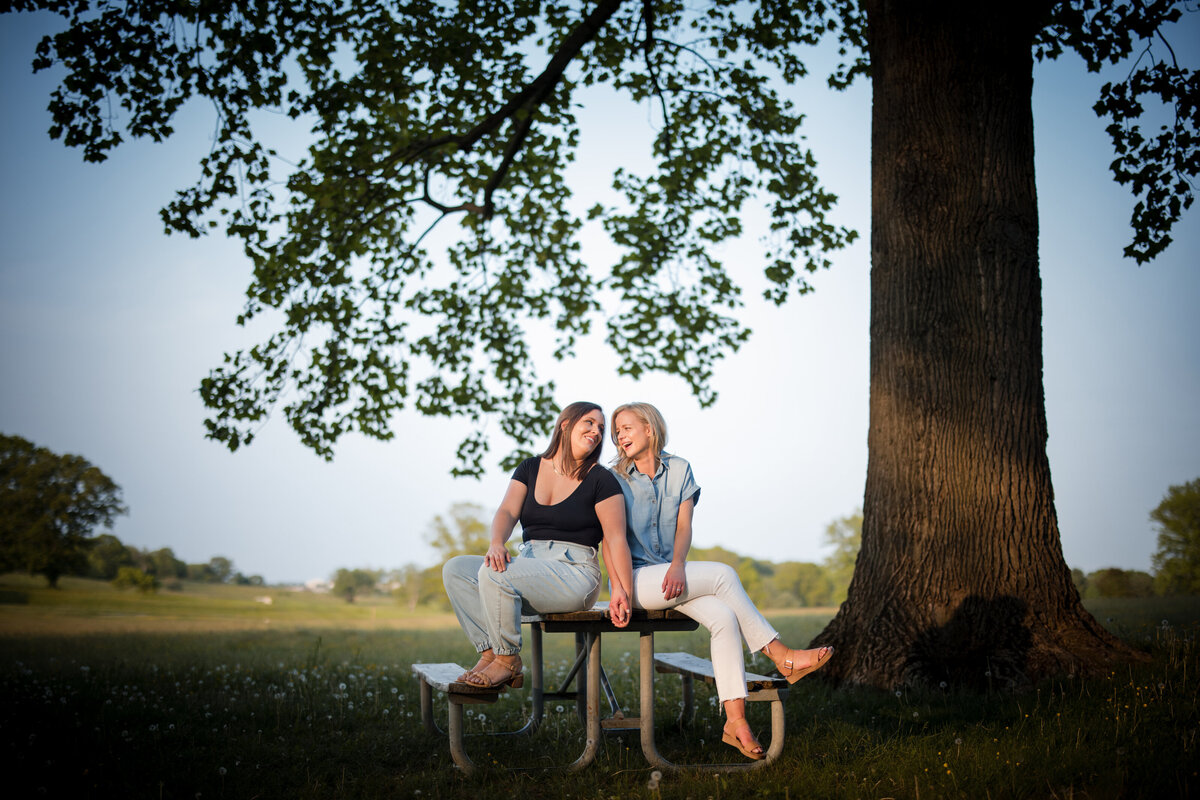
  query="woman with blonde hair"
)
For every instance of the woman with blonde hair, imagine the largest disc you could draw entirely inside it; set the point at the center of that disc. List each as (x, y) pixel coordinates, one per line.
(568, 506)
(660, 497)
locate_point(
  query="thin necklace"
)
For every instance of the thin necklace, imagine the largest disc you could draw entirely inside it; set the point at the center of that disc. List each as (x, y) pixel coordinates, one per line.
(554, 466)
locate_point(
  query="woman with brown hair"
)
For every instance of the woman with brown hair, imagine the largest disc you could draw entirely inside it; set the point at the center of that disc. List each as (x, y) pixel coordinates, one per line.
(568, 506)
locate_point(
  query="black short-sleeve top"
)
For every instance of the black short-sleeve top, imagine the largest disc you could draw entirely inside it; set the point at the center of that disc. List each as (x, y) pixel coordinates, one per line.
(572, 520)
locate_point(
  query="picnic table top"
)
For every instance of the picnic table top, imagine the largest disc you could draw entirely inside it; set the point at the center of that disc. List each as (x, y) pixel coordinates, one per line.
(599, 613)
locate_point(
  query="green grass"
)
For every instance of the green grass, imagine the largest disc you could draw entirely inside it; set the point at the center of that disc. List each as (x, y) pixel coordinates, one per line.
(321, 703)
(81, 605)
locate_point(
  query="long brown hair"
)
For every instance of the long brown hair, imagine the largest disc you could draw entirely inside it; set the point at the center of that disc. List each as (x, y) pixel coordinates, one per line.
(571, 415)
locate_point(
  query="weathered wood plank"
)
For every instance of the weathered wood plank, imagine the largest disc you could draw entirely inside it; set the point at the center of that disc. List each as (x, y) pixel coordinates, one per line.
(442, 677)
(702, 669)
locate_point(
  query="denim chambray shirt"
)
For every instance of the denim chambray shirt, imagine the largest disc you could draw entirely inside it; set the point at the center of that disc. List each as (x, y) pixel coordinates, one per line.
(652, 508)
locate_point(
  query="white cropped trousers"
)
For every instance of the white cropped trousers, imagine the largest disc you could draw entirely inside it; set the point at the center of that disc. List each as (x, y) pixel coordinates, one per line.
(715, 598)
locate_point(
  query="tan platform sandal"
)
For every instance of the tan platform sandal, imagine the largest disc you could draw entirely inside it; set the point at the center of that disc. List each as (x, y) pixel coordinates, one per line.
(514, 677)
(483, 661)
(730, 738)
(789, 670)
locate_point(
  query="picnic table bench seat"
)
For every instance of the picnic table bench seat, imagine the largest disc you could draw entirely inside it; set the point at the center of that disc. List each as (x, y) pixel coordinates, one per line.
(759, 688)
(443, 677)
(458, 693)
(691, 666)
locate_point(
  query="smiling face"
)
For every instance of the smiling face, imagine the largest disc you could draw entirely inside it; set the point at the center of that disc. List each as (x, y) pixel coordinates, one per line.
(634, 437)
(586, 435)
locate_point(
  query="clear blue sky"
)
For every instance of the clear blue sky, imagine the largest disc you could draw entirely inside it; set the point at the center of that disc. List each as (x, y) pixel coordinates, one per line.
(107, 326)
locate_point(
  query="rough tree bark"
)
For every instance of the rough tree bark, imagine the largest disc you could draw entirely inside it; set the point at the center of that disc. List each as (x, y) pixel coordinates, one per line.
(961, 576)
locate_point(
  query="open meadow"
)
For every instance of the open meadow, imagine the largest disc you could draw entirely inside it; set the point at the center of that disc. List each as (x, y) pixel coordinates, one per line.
(211, 692)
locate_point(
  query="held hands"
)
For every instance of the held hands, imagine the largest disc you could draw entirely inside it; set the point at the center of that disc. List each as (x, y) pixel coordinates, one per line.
(497, 557)
(618, 607)
(675, 582)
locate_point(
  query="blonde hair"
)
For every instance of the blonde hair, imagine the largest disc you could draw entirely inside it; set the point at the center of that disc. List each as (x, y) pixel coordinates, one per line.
(658, 434)
(562, 437)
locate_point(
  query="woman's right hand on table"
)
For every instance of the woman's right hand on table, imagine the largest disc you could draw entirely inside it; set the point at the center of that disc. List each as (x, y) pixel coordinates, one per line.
(619, 610)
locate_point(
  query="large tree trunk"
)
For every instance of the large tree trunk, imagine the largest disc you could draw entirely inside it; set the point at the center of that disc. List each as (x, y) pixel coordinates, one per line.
(961, 576)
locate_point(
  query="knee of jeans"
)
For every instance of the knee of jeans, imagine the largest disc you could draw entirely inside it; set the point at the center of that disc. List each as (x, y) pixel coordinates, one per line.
(723, 621)
(451, 569)
(487, 575)
(727, 574)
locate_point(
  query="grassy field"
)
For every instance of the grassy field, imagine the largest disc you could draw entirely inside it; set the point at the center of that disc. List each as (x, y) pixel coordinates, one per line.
(211, 693)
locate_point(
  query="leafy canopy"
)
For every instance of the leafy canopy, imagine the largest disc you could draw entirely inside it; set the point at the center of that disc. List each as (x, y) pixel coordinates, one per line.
(1177, 559)
(50, 505)
(461, 118)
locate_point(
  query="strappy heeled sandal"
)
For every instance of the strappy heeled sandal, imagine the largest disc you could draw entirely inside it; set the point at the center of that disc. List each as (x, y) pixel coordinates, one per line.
(515, 677)
(789, 670)
(731, 739)
(479, 666)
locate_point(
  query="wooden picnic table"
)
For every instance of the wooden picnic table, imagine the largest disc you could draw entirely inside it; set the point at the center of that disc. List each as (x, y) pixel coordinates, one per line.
(590, 681)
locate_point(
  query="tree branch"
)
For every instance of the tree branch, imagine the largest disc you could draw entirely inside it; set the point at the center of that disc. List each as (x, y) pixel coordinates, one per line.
(528, 98)
(647, 49)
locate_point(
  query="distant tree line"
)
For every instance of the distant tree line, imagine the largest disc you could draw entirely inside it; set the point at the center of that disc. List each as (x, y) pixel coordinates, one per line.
(1113, 582)
(50, 507)
(796, 584)
(464, 530)
(109, 558)
(1176, 561)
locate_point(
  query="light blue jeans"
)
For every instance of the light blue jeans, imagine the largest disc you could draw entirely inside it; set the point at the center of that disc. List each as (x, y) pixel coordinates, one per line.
(546, 577)
(716, 599)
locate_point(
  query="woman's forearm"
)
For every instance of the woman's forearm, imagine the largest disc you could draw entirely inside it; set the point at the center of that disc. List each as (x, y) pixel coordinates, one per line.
(502, 526)
(681, 546)
(683, 533)
(620, 567)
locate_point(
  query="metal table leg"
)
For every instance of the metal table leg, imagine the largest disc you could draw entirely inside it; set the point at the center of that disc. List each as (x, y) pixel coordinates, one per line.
(592, 645)
(646, 698)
